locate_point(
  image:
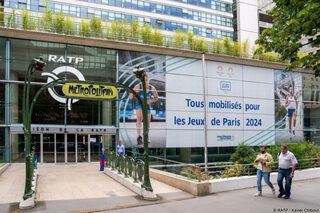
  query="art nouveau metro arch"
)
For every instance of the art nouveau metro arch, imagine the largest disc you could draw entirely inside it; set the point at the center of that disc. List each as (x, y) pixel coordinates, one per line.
(75, 90)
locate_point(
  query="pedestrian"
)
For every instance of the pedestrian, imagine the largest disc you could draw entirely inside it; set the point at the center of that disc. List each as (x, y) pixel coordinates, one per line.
(263, 164)
(121, 149)
(287, 165)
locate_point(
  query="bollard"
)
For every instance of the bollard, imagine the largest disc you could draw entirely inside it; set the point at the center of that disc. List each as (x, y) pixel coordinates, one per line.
(102, 157)
(36, 161)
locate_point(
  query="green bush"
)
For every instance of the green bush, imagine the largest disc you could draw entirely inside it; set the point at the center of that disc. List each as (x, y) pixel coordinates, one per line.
(227, 46)
(217, 46)
(11, 19)
(243, 154)
(69, 26)
(146, 34)
(47, 20)
(190, 37)
(179, 37)
(59, 22)
(157, 37)
(95, 26)
(84, 29)
(134, 30)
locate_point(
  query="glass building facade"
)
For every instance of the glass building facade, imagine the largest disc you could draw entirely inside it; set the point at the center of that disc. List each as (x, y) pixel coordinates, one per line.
(208, 26)
(78, 135)
(96, 64)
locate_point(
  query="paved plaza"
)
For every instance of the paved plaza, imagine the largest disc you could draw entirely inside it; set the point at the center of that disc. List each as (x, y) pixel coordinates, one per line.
(83, 188)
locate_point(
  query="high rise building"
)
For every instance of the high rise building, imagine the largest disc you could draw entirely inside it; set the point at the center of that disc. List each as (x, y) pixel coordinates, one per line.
(206, 18)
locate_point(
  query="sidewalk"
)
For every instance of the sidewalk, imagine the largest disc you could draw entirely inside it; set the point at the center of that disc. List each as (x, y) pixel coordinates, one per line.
(75, 187)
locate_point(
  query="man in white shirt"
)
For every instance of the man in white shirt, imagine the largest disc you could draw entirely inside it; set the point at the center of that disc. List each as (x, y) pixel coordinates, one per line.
(121, 149)
(287, 165)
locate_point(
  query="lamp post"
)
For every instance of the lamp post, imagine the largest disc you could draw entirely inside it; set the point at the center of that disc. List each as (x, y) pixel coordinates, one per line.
(36, 64)
(140, 74)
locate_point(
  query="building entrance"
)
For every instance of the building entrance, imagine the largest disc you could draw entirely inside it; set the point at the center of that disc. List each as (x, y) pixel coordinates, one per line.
(62, 148)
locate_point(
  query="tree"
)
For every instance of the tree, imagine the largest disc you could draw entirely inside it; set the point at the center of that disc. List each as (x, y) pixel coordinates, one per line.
(294, 20)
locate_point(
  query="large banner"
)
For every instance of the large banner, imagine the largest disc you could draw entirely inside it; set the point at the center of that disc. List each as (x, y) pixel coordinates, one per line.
(246, 104)
(131, 122)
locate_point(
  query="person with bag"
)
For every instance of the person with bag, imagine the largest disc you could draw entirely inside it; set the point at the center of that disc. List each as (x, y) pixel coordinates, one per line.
(263, 164)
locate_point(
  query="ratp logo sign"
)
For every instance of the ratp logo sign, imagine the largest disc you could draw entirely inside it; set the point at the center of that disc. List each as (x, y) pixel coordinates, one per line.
(54, 76)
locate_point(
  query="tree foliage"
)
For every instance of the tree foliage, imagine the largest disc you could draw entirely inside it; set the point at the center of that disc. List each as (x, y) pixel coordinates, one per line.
(294, 20)
(243, 154)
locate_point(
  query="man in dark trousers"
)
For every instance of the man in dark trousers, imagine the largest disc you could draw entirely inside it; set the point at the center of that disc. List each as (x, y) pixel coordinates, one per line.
(287, 165)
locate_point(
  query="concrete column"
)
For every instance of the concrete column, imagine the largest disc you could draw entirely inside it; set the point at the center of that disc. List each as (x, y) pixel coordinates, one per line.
(247, 21)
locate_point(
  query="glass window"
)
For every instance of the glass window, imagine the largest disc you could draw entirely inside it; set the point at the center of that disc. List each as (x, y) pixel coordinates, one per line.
(2, 58)
(84, 12)
(73, 11)
(57, 7)
(65, 9)
(2, 103)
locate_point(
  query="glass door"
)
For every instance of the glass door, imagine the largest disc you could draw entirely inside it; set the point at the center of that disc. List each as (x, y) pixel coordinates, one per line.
(95, 147)
(82, 148)
(60, 148)
(48, 148)
(35, 142)
(71, 146)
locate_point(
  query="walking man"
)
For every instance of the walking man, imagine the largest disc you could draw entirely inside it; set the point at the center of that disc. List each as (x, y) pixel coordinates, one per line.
(121, 149)
(287, 165)
(263, 164)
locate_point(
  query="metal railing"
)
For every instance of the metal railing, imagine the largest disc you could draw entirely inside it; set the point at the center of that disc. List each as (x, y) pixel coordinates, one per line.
(126, 165)
(215, 170)
(188, 170)
(237, 170)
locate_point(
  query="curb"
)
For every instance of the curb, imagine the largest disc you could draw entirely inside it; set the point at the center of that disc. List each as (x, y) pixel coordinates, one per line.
(4, 168)
(130, 184)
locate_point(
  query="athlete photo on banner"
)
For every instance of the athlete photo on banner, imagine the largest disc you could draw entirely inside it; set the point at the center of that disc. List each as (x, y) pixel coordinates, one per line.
(131, 118)
(288, 106)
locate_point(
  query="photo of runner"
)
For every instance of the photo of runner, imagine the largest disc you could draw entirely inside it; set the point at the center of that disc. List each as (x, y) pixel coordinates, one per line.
(291, 105)
(152, 96)
(288, 106)
(130, 111)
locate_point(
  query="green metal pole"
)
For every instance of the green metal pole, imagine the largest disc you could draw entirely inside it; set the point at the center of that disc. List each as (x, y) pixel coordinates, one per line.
(27, 133)
(36, 64)
(147, 183)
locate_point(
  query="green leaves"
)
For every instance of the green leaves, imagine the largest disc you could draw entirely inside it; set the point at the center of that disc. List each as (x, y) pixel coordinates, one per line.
(293, 20)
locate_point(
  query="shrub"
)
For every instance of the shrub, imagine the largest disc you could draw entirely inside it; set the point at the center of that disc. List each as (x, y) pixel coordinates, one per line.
(227, 46)
(95, 26)
(113, 32)
(47, 20)
(179, 37)
(199, 44)
(59, 22)
(84, 29)
(234, 171)
(157, 38)
(11, 19)
(126, 30)
(146, 34)
(119, 30)
(69, 26)
(190, 37)
(243, 154)
(134, 30)
(237, 48)
(245, 48)
(25, 19)
(217, 46)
